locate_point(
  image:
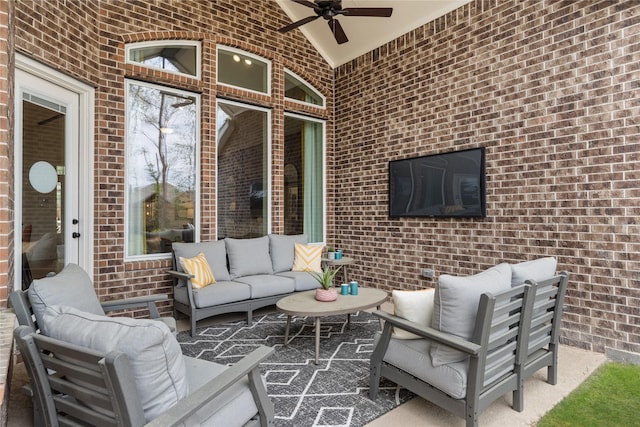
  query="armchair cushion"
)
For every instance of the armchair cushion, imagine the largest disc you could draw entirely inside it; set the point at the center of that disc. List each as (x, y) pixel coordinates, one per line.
(154, 354)
(456, 306)
(307, 258)
(538, 269)
(199, 268)
(281, 249)
(71, 287)
(235, 406)
(416, 306)
(415, 358)
(248, 257)
(215, 252)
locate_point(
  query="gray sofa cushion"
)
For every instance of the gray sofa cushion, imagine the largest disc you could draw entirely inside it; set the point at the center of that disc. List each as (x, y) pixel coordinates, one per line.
(537, 269)
(215, 252)
(303, 280)
(216, 294)
(281, 249)
(248, 256)
(154, 354)
(234, 407)
(265, 285)
(456, 306)
(414, 357)
(71, 287)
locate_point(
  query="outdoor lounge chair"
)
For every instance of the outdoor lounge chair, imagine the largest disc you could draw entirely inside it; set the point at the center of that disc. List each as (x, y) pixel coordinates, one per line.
(78, 385)
(469, 384)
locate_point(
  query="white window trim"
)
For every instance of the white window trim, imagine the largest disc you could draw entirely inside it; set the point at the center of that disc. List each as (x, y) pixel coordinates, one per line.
(196, 236)
(316, 91)
(250, 55)
(269, 176)
(154, 43)
(324, 168)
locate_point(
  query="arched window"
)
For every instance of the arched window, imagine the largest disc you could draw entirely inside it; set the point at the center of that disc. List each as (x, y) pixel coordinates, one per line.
(298, 90)
(243, 70)
(181, 57)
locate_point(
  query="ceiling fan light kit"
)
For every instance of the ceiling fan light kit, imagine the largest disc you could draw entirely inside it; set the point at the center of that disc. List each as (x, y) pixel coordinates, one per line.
(329, 9)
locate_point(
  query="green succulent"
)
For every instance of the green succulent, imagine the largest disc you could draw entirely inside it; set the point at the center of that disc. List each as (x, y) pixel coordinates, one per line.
(325, 278)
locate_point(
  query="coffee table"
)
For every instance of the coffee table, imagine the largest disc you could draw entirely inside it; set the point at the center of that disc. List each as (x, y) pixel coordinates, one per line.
(305, 304)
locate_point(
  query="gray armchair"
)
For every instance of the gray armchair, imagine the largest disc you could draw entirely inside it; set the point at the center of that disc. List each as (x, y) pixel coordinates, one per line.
(486, 370)
(75, 384)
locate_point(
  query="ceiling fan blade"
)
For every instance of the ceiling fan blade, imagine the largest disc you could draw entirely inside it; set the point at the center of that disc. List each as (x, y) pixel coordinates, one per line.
(298, 24)
(337, 31)
(368, 11)
(305, 3)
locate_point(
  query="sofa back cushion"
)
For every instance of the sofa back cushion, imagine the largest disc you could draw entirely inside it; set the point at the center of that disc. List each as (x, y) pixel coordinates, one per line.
(215, 252)
(71, 287)
(154, 354)
(538, 269)
(456, 306)
(248, 257)
(281, 249)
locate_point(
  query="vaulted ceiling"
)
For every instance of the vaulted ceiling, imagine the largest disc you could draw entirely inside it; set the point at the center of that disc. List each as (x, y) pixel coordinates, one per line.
(366, 33)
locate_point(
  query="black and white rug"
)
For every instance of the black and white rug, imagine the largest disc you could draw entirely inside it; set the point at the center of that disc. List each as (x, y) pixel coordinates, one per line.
(332, 393)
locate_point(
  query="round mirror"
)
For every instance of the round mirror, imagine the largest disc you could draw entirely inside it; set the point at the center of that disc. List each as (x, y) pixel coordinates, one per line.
(43, 177)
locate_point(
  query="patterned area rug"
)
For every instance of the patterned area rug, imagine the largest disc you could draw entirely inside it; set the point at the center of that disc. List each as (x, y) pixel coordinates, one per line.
(332, 393)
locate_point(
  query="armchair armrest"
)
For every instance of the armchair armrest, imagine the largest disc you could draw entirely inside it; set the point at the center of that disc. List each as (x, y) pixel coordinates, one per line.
(430, 333)
(180, 275)
(148, 301)
(196, 400)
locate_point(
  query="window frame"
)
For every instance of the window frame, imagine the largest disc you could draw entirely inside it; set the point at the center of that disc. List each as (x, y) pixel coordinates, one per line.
(197, 168)
(250, 55)
(323, 122)
(269, 172)
(312, 87)
(167, 43)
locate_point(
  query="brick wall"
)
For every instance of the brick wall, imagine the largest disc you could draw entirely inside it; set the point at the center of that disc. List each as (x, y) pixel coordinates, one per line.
(6, 153)
(551, 90)
(86, 40)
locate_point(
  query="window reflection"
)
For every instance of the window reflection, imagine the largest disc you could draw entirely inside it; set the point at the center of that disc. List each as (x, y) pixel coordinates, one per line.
(162, 139)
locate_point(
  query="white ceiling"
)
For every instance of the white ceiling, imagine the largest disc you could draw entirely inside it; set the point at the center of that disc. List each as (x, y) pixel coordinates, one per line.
(366, 33)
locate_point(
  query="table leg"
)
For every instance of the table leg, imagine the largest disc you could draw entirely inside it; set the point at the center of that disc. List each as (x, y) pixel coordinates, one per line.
(317, 338)
(380, 320)
(286, 331)
(349, 320)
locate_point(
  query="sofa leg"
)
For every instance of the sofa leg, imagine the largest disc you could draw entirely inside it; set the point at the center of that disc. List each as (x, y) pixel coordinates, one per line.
(249, 317)
(193, 327)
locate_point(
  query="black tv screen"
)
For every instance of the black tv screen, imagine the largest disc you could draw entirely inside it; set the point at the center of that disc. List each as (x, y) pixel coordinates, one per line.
(440, 185)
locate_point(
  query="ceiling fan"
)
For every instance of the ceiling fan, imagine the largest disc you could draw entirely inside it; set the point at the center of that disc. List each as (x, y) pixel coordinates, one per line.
(329, 9)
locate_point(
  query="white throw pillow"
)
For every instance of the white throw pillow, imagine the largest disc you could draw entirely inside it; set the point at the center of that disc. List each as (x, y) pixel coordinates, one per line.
(154, 354)
(456, 307)
(416, 306)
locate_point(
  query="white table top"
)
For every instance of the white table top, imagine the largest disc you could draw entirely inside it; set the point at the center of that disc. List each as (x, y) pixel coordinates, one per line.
(305, 303)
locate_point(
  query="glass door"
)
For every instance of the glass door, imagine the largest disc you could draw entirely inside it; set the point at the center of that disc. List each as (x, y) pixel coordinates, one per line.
(48, 204)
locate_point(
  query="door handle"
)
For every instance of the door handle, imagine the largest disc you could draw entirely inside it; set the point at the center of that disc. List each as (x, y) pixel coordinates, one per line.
(75, 235)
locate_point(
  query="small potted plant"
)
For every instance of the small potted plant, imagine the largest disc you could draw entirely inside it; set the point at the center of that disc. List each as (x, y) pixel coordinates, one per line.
(325, 278)
(331, 252)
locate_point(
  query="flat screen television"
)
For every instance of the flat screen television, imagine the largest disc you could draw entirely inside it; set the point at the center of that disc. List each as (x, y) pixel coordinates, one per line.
(440, 185)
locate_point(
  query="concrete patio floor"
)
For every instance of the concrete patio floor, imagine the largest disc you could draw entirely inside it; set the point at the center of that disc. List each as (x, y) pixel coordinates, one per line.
(575, 365)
